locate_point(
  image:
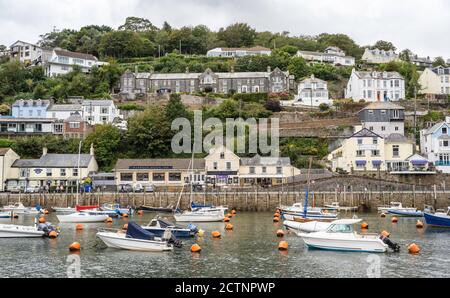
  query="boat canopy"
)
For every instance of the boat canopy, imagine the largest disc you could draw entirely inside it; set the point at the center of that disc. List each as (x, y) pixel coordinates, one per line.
(135, 231)
(347, 221)
(196, 206)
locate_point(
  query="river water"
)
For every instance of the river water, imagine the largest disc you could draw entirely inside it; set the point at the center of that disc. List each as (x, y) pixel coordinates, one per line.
(250, 250)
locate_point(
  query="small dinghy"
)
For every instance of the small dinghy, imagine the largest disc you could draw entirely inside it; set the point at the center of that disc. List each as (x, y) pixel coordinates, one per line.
(341, 236)
(407, 212)
(438, 219)
(307, 227)
(168, 209)
(81, 217)
(200, 215)
(36, 231)
(137, 239)
(158, 226)
(116, 208)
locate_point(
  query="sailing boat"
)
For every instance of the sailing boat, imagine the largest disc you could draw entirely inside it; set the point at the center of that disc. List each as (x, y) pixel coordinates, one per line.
(203, 214)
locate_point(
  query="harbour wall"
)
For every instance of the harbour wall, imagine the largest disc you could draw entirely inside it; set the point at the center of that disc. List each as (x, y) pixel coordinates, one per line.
(243, 201)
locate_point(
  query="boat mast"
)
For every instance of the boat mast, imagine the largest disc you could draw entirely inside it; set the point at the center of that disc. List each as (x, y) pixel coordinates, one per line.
(78, 174)
(305, 209)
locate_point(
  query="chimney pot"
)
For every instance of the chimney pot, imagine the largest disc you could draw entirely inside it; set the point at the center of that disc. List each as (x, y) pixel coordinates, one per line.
(44, 151)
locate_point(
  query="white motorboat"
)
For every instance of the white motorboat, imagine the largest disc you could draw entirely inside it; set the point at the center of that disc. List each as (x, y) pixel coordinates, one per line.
(64, 209)
(19, 208)
(395, 206)
(81, 217)
(298, 208)
(9, 214)
(335, 206)
(116, 208)
(341, 236)
(135, 238)
(13, 231)
(201, 215)
(307, 227)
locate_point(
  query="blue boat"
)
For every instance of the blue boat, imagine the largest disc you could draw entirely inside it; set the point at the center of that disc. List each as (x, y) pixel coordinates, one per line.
(405, 213)
(158, 226)
(438, 219)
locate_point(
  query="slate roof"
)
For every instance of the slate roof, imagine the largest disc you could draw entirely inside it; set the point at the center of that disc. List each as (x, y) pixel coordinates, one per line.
(378, 75)
(434, 128)
(76, 55)
(252, 49)
(97, 102)
(3, 151)
(65, 108)
(31, 103)
(383, 105)
(173, 164)
(75, 117)
(446, 70)
(55, 161)
(266, 161)
(365, 133)
(397, 138)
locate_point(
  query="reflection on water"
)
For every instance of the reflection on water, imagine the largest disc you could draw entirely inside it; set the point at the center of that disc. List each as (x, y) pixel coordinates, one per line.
(250, 250)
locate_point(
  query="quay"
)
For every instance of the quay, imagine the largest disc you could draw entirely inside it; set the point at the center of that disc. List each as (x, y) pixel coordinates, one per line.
(241, 200)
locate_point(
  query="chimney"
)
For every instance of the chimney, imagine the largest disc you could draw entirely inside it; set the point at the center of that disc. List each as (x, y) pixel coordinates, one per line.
(92, 150)
(232, 69)
(187, 69)
(136, 70)
(44, 151)
(447, 119)
(269, 69)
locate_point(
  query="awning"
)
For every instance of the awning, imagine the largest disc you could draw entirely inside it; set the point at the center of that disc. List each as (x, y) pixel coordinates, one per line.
(419, 162)
(361, 162)
(377, 162)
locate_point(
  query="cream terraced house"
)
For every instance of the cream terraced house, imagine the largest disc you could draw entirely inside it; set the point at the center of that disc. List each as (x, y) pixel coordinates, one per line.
(53, 170)
(435, 81)
(377, 56)
(7, 159)
(368, 151)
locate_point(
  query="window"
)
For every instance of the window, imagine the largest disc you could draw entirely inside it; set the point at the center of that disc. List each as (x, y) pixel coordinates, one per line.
(215, 166)
(395, 151)
(142, 177)
(74, 125)
(360, 153)
(64, 60)
(228, 165)
(126, 177)
(383, 128)
(445, 143)
(222, 155)
(444, 130)
(48, 172)
(62, 172)
(375, 152)
(360, 141)
(396, 114)
(104, 110)
(252, 170)
(23, 173)
(174, 176)
(75, 172)
(264, 170)
(383, 112)
(279, 170)
(375, 141)
(104, 119)
(159, 177)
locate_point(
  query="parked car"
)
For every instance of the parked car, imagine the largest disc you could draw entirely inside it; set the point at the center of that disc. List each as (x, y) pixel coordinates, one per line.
(15, 189)
(149, 188)
(143, 188)
(125, 188)
(32, 189)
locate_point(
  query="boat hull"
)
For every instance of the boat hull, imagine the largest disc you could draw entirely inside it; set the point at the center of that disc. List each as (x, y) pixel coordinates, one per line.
(354, 245)
(309, 218)
(156, 209)
(64, 210)
(404, 213)
(73, 218)
(114, 240)
(437, 220)
(308, 227)
(199, 217)
(178, 233)
(12, 231)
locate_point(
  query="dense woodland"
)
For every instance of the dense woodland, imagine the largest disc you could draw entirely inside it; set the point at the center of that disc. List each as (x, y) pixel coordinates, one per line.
(140, 43)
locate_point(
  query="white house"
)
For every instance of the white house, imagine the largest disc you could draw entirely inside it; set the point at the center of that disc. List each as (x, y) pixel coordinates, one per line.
(375, 86)
(383, 118)
(435, 81)
(25, 52)
(238, 52)
(63, 111)
(99, 111)
(63, 62)
(377, 56)
(435, 145)
(313, 92)
(7, 158)
(333, 55)
(30, 108)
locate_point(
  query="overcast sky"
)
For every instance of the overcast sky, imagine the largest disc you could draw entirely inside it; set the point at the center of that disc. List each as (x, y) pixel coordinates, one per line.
(420, 25)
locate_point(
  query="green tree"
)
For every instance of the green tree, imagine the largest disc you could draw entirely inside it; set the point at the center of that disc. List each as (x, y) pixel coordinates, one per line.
(384, 45)
(237, 35)
(439, 61)
(176, 109)
(106, 140)
(298, 67)
(137, 25)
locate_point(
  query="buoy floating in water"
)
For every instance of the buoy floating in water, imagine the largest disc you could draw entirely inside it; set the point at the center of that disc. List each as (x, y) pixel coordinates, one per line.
(383, 214)
(125, 215)
(419, 224)
(226, 219)
(79, 227)
(125, 227)
(229, 215)
(109, 220)
(277, 214)
(75, 246)
(283, 245)
(413, 249)
(276, 219)
(364, 226)
(200, 233)
(53, 235)
(280, 233)
(386, 234)
(196, 248)
(229, 227)
(394, 219)
(140, 212)
(42, 220)
(216, 234)
(233, 212)
(45, 211)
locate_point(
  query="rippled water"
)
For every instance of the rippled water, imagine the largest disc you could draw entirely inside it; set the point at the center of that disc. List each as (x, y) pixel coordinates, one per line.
(248, 251)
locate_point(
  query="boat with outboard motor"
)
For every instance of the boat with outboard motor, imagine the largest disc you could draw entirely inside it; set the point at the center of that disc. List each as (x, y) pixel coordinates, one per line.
(19, 231)
(341, 236)
(19, 208)
(438, 218)
(335, 206)
(116, 208)
(81, 217)
(395, 206)
(158, 226)
(138, 239)
(200, 215)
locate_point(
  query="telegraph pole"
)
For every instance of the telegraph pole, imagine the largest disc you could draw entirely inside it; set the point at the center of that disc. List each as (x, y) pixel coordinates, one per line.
(415, 119)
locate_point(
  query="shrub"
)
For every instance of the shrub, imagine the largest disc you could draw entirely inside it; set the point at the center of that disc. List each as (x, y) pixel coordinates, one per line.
(131, 107)
(251, 97)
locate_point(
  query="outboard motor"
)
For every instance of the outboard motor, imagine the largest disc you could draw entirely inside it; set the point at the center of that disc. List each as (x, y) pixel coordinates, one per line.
(193, 228)
(47, 228)
(392, 245)
(171, 239)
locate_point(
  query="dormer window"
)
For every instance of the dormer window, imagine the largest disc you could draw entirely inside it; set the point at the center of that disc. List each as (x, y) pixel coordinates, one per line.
(222, 155)
(444, 130)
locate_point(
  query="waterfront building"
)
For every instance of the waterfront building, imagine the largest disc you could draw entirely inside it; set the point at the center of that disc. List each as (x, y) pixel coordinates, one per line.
(333, 55)
(238, 52)
(368, 151)
(7, 158)
(435, 82)
(53, 170)
(222, 167)
(435, 145)
(10, 126)
(276, 81)
(313, 92)
(375, 86)
(63, 111)
(377, 56)
(62, 62)
(383, 118)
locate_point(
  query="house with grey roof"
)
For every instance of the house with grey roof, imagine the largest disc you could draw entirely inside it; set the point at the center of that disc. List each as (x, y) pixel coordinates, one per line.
(435, 82)
(238, 52)
(377, 56)
(7, 159)
(53, 169)
(372, 86)
(435, 145)
(313, 92)
(63, 61)
(383, 118)
(275, 81)
(333, 55)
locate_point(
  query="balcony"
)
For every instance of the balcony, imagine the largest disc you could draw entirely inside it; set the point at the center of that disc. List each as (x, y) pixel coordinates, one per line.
(442, 163)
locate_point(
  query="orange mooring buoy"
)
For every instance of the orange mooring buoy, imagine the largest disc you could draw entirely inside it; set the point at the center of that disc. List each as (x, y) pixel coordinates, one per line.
(276, 219)
(386, 234)
(125, 215)
(42, 220)
(75, 246)
(233, 212)
(53, 234)
(413, 248)
(140, 212)
(109, 220)
(216, 234)
(79, 227)
(383, 215)
(226, 219)
(196, 248)
(280, 233)
(283, 245)
(45, 211)
(229, 227)
(394, 219)
(125, 227)
(364, 225)
(419, 224)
